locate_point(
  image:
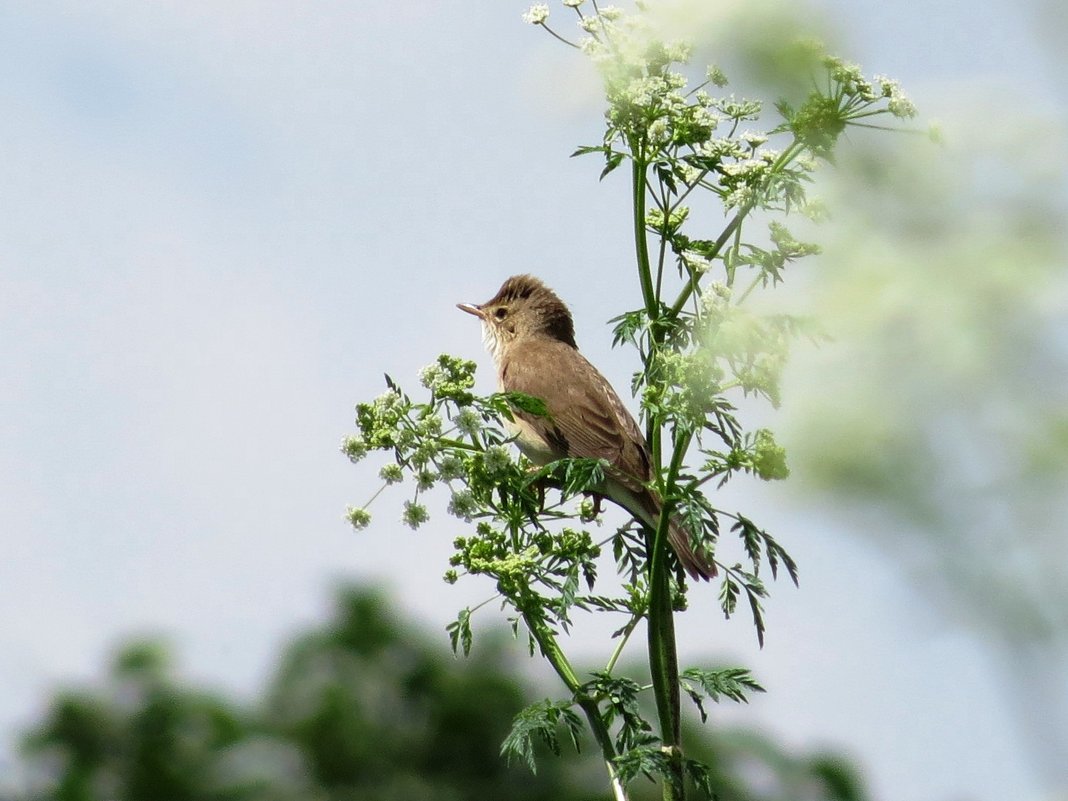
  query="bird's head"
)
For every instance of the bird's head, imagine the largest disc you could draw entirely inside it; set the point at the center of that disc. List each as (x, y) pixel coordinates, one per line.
(523, 307)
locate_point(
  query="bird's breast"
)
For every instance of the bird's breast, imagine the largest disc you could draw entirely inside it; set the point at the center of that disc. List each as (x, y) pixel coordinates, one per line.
(534, 446)
(528, 437)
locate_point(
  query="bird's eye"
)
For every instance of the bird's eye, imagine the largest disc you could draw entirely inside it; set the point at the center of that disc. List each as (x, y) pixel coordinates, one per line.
(501, 313)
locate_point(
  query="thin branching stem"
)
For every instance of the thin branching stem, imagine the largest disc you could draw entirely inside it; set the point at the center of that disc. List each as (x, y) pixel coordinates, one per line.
(632, 624)
(555, 35)
(550, 649)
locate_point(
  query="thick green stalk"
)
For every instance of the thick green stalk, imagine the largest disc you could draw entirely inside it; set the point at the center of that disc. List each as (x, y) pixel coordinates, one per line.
(641, 241)
(663, 654)
(663, 659)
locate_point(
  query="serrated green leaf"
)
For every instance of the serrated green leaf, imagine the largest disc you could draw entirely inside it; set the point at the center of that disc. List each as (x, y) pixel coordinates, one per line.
(612, 160)
(728, 596)
(732, 683)
(581, 475)
(758, 612)
(460, 632)
(701, 775)
(627, 326)
(586, 149)
(776, 552)
(750, 538)
(647, 760)
(619, 696)
(540, 720)
(526, 403)
(666, 175)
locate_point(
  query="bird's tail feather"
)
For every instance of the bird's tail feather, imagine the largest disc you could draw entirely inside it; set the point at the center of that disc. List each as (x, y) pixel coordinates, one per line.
(697, 562)
(646, 507)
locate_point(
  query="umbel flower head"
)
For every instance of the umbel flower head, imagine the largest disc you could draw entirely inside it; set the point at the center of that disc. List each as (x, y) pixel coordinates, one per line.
(536, 14)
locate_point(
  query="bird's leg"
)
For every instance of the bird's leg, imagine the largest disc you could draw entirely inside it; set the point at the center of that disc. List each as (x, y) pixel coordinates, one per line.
(539, 487)
(596, 503)
(593, 499)
(537, 483)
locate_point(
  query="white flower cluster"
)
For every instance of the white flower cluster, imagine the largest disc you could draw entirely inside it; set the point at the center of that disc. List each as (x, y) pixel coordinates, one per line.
(463, 505)
(716, 76)
(468, 422)
(695, 262)
(357, 517)
(414, 514)
(850, 77)
(753, 138)
(430, 425)
(425, 480)
(898, 103)
(388, 402)
(611, 13)
(691, 174)
(391, 474)
(450, 468)
(678, 51)
(722, 148)
(715, 302)
(655, 217)
(749, 168)
(354, 447)
(432, 377)
(853, 83)
(645, 90)
(616, 40)
(496, 459)
(536, 14)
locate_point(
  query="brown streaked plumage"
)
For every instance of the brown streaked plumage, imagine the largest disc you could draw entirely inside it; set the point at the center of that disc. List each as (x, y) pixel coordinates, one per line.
(529, 331)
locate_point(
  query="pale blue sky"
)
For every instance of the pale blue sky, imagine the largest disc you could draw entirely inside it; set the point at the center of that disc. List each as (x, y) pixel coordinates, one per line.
(222, 222)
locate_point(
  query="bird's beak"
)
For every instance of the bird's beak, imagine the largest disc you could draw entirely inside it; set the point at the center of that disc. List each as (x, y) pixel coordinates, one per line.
(472, 308)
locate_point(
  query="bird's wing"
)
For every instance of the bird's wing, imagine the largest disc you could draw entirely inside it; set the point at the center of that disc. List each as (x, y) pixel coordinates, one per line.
(586, 418)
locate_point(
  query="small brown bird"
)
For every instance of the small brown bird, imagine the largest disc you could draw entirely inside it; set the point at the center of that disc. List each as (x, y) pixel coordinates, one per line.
(529, 331)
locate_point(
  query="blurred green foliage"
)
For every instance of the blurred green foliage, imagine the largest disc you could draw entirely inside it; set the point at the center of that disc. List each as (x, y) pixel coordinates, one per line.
(934, 423)
(364, 707)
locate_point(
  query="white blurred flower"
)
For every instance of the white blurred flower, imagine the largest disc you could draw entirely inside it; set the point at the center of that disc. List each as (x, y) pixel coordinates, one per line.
(536, 14)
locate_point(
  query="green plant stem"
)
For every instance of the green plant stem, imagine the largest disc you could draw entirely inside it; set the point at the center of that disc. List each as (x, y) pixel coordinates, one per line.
(757, 280)
(557, 36)
(663, 658)
(650, 294)
(546, 640)
(729, 264)
(691, 286)
(641, 241)
(789, 154)
(455, 443)
(663, 655)
(623, 640)
(661, 256)
(685, 193)
(663, 664)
